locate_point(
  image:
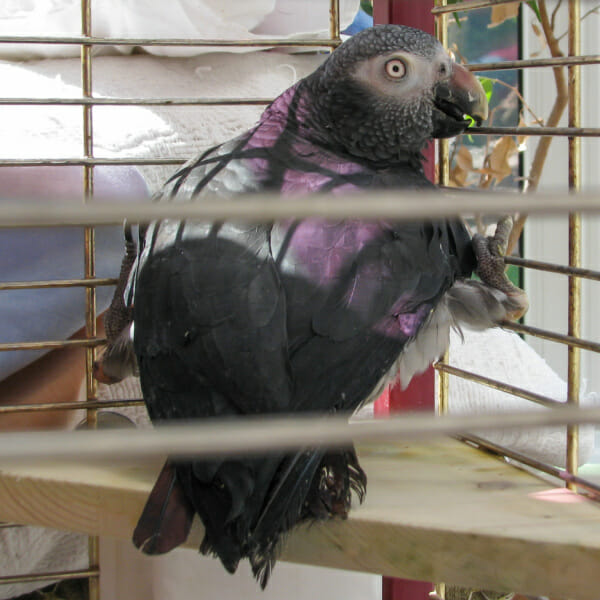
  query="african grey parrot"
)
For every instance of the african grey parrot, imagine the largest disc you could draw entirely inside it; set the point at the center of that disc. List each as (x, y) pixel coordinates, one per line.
(306, 315)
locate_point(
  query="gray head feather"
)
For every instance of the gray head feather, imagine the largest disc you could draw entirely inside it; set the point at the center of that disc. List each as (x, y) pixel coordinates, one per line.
(377, 40)
(357, 120)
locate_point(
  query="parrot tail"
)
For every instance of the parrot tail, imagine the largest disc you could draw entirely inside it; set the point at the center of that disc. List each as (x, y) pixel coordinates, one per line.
(314, 485)
(282, 511)
(167, 517)
(308, 486)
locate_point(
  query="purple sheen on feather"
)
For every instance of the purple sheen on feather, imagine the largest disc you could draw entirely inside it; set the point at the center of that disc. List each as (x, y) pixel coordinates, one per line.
(274, 119)
(295, 182)
(320, 249)
(400, 323)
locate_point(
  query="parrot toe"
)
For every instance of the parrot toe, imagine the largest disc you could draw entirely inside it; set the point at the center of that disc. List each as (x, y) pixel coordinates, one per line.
(491, 266)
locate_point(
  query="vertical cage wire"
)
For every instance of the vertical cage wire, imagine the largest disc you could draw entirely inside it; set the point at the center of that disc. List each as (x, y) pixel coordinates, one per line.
(574, 319)
(88, 191)
(441, 28)
(334, 22)
(443, 385)
(89, 268)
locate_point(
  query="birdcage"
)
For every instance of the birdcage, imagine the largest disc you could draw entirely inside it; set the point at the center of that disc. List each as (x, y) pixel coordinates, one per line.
(437, 510)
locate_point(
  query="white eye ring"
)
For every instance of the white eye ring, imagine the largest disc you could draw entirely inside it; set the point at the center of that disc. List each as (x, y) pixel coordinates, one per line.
(395, 68)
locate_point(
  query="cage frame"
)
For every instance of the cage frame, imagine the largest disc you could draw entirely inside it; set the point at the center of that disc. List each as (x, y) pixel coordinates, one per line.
(574, 271)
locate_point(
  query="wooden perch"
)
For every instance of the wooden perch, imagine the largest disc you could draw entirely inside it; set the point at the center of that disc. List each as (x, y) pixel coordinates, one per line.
(437, 512)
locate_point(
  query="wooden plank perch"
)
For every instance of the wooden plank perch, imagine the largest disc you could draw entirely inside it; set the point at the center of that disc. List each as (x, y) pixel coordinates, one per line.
(437, 512)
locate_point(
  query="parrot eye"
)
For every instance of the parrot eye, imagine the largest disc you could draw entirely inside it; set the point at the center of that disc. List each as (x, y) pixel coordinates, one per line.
(395, 68)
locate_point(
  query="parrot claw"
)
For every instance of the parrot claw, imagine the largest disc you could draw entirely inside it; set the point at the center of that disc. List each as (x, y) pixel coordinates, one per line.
(331, 493)
(502, 235)
(491, 267)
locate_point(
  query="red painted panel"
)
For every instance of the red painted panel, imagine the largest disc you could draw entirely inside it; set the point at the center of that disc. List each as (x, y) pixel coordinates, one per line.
(403, 589)
(416, 13)
(420, 394)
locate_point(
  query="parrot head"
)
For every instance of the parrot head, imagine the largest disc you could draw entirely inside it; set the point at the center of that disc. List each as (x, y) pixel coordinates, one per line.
(385, 92)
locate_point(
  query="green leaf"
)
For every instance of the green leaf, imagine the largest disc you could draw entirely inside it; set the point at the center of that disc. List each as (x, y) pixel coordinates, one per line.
(488, 86)
(471, 124)
(367, 6)
(455, 15)
(534, 7)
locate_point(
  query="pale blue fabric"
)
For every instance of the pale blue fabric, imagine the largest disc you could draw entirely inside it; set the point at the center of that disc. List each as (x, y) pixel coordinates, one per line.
(55, 253)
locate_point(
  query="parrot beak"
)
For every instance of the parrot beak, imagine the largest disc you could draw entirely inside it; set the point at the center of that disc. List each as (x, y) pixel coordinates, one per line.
(454, 100)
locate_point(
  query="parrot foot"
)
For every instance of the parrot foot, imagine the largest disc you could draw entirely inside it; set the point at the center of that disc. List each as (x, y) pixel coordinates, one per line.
(491, 267)
(331, 492)
(117, 360)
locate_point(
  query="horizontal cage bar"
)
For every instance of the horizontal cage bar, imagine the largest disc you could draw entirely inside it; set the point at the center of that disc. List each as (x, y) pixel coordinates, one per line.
(495, 384)
(258, 435)
(568, 340)
(534, 62)
(82, 162)
(56, 575)
(28, 408)
(57, 283)
(103, 41)
(51, 344)
(135, 101)
(469, 5)
(546, 131)
(414, 205)
(504, 452)
(552, 268)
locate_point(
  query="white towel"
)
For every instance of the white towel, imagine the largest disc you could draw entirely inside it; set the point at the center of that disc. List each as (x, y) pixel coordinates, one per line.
(504, 356)
(135, 131)
(155, 19)
(38, 550)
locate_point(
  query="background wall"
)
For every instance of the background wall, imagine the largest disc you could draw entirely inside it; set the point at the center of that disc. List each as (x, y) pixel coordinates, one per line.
(185, 575)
